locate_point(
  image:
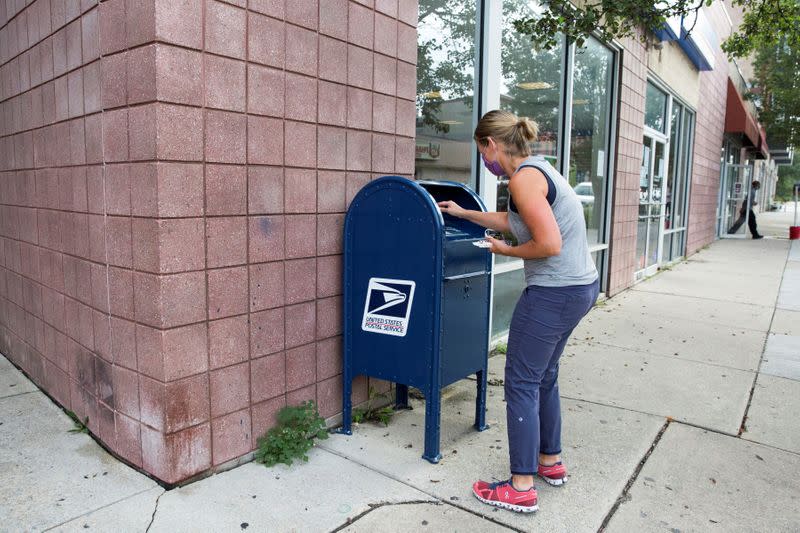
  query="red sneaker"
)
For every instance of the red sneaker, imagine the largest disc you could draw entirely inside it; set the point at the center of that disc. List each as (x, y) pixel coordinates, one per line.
(555, 474)
(503, 494)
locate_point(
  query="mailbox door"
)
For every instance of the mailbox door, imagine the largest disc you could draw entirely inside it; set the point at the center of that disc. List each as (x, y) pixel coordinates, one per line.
(465, 327)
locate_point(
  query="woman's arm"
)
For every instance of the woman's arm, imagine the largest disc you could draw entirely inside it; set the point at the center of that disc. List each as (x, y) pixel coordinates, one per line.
(493, 220)
(529, 190)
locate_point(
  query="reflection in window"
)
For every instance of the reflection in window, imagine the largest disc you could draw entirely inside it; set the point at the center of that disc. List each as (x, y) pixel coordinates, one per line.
(445, 76)
(591, 103)
(507, 288)
(531, 82)
(655, 108)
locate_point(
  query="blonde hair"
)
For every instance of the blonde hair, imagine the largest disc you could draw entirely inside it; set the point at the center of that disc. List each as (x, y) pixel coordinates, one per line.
(516, 133)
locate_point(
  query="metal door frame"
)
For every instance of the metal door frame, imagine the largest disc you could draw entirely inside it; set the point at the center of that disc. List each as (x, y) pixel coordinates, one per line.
(655, 137)
(725, 198)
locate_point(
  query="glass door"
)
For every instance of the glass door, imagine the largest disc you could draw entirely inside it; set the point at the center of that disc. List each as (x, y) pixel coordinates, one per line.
(736, 187)
(651, 206)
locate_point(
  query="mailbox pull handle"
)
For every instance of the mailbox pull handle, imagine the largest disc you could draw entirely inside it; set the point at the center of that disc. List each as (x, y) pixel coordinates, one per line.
(467, 275)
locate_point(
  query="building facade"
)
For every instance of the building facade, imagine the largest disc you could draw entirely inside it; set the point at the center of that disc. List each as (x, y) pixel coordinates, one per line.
(174, 176)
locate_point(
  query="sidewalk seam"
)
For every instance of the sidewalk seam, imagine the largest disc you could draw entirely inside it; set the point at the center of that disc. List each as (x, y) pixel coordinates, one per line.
(743, 426)
(50, 528)
(625, 492)
(155, 509)
(407, 484)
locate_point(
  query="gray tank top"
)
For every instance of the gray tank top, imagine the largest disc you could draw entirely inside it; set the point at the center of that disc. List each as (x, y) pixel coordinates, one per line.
(574, 265)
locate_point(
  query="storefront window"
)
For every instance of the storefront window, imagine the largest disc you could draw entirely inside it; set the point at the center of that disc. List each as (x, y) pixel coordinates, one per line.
(655, 108)
(591, 125)
(445, 99)
(507, 288)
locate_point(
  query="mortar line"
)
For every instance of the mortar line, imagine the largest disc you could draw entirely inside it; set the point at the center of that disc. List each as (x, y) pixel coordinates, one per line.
(424, 491)
(624, 496)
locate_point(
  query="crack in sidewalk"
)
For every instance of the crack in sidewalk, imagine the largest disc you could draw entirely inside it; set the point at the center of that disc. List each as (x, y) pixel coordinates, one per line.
(155, 510)
(625, 496)
(375, 506)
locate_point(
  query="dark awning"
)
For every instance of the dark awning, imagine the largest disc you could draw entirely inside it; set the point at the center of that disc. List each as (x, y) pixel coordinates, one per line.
(738, 119)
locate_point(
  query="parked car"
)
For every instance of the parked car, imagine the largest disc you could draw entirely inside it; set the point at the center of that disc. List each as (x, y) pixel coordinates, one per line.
(585, 192)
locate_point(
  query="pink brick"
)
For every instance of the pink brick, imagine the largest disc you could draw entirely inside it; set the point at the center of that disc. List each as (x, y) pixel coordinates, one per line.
(172, 354)
(355, 182)
(406, 81)
(408, 11)
(385, 75)
(384, 113)
(175, 457)
(301, 269)
(170, 300)
(140, 22)
(329, 396)
(230, 389)
(268, 377)
(226, 239)
(301, 396)
(265, 91)
(90, 27)
(74, 56)
(329, 358)
(329, 276)
(329, 313)
(266, 40)
(228, 341)
(115, 135)
(331, 143)
(141, 74)
(123, 339)
(180, 22)
(359, 146)
(142, 132)
(301, 50)
(225, 29)
(266, 186)
(266, 238)
(118, 241)
(167, 189)
(406, 43)
(267, 286)
(300, 324)
(331, 197)
(333, 60)
(180, 132)
(301, 97)
(225, 137)
(359, 108)
(129, 440)
(359, 67)
(273, 8)
(126, 391)
(301, 144)
(265, 416)
(231, 436)
(332, 100)
(227, 292)
(111, 26)
(333, 18)
(300, 192)
(300, 232)
(225, 83)
(329, 234)
(179, 75)
(226, 190)
(388, 7)
(266, 332)
(303, 13)
(166, 246)
(360, 25)
(265, 140)
(383, 153)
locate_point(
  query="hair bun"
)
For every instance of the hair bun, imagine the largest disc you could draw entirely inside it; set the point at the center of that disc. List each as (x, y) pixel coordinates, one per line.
(527, 128)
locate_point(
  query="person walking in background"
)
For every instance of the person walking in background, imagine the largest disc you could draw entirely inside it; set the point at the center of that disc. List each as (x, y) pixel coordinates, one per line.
(747, 208)
(546, 218)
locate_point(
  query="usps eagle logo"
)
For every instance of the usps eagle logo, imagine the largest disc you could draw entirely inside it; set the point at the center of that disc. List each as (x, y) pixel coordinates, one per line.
(388, 306)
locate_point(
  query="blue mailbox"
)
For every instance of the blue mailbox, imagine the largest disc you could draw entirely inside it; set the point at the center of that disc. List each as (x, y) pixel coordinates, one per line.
(416, 295)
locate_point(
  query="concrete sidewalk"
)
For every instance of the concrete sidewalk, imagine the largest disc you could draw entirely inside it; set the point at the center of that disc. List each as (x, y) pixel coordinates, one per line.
(679, 397)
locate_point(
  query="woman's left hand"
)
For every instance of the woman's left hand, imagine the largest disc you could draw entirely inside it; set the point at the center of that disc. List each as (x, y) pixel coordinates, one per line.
(498, 246)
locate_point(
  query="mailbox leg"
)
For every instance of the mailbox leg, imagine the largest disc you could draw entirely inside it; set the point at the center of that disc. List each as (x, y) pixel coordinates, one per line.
(480, 402)
(433, 405)
(347, 404)
(401, 396)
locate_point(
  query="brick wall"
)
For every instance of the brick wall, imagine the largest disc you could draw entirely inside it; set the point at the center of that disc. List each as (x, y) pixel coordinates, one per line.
(174, 178)
(704, 194)
(630, 127)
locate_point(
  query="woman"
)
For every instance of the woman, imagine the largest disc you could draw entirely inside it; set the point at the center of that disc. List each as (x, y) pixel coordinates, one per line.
(546, 218)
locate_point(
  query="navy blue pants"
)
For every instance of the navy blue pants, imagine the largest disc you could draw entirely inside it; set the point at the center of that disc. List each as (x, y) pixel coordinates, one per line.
(540, 327)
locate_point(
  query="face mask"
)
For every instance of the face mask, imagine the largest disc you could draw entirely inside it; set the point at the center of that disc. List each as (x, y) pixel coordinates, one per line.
(493, 166)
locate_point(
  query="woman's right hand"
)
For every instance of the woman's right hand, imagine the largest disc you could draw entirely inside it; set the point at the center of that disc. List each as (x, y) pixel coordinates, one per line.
(452, 208)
